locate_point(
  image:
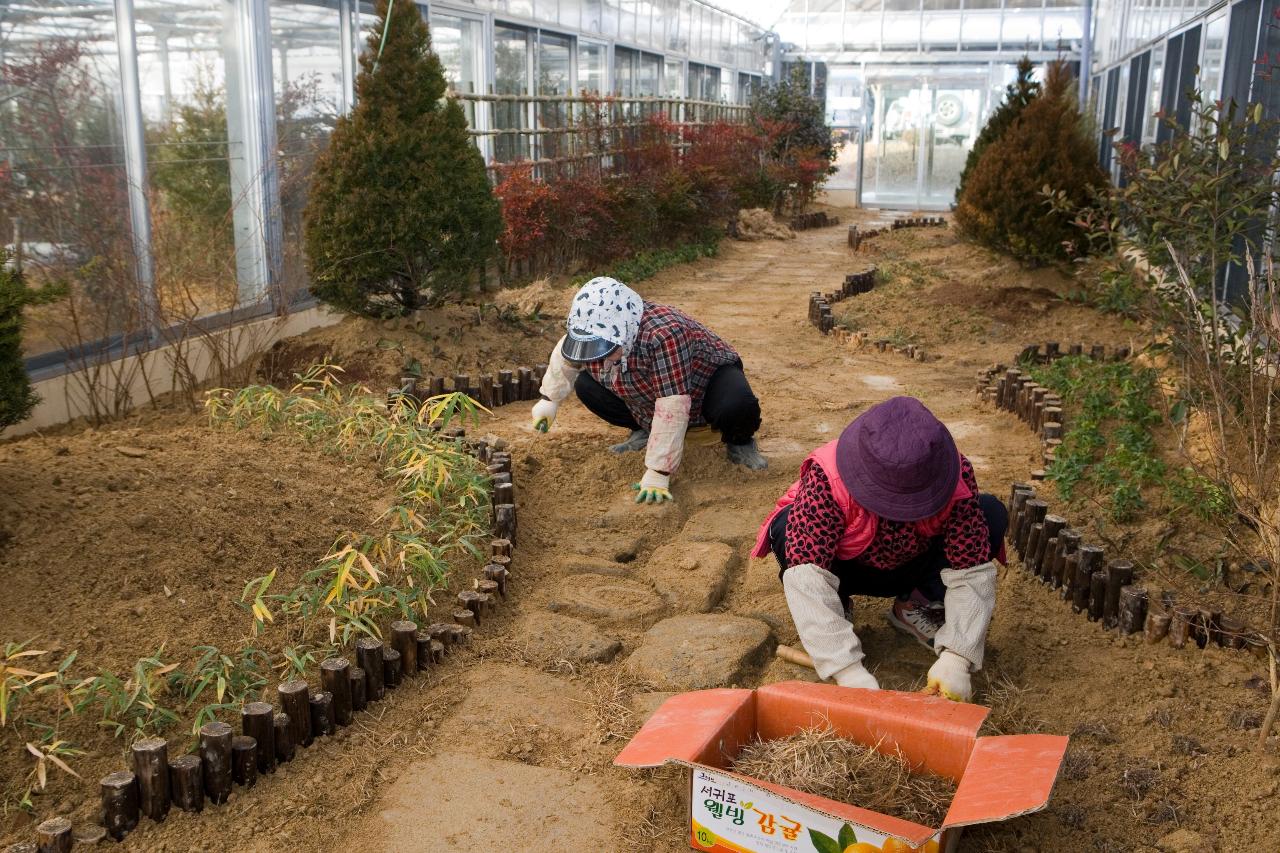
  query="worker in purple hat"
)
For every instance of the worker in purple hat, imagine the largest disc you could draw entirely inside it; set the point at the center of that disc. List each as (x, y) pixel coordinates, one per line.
(890, 509)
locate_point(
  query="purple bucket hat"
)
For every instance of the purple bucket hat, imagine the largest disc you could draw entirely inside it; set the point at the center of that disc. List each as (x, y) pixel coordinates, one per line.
(898, 460)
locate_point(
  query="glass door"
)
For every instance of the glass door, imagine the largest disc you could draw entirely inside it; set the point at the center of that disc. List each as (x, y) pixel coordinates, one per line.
(918, 130)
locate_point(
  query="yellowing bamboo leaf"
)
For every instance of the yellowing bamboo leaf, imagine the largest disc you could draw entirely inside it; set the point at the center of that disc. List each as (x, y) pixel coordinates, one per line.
(63, 765)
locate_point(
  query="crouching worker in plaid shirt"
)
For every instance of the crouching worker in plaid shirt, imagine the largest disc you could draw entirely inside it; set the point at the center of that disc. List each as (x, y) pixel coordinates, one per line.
(655, 371)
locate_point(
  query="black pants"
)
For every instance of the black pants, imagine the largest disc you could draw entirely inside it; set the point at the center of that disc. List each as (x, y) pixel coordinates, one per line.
(923, 572)
(729, 406)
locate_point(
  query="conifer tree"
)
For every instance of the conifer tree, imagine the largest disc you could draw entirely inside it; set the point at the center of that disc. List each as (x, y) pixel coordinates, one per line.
(400, 212)
(16, 397)
(1049, 146)
(1017, 95)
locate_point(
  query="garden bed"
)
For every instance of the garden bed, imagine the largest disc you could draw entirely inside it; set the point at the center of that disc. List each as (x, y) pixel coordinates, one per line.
(1162, 738)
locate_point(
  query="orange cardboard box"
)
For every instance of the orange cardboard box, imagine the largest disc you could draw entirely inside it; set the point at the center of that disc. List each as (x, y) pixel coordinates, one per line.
(997, 778)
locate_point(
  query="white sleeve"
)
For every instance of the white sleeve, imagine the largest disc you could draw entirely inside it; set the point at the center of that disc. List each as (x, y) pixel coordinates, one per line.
(666, 435)
(814, 600)
(970, 601)
(557, 382)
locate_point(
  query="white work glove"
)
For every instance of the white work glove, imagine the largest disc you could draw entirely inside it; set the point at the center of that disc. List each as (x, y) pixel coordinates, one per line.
(856, 675)
(653, 488)
(949, 677)
(544, 414)
(825, 632)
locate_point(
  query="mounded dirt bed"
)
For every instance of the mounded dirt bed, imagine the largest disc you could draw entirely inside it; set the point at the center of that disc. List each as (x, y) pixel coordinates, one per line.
(508, 746)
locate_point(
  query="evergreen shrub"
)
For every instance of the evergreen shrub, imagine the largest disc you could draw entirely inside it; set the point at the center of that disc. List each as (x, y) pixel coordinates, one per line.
(400, 212)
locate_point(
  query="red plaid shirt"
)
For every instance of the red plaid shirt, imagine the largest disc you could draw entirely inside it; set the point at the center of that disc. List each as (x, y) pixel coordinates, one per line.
(673, 355)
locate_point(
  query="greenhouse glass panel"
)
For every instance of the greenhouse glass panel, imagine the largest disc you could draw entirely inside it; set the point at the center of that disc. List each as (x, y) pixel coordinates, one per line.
(624, 71)
(195, 144)
(627, 21)
(1215, 43)
(592, 12)
(591, 66)
(512, 74)
(63, 165)
(523, 8)
(571, 14)
(901, 24)
(1020, 29)
(673, 78)
(649, 75)
(683, 43)
(554, 78)
(307, 73)
(862, 24)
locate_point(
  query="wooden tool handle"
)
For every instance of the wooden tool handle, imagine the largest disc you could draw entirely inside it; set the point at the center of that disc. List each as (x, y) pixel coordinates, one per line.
(795, 656)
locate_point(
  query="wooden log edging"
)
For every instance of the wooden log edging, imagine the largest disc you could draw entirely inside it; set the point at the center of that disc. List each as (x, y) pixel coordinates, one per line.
(858, 236)
(488, 389)
(1109, 592)
(275, 734)
(817, 219)
(822, 318)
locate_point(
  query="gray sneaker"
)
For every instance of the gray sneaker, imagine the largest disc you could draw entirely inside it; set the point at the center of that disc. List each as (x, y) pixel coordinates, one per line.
(747, 455)
(638, 440)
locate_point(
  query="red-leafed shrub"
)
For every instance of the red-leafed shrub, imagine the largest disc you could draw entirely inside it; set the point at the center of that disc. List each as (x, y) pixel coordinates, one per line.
(632, 184)
(527, 204)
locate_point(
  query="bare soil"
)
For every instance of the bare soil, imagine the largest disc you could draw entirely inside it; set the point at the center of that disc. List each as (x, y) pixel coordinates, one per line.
(509, 745)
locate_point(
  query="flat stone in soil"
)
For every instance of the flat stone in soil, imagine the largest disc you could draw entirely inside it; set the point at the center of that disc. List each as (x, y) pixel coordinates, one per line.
(700, 651)
(606, 599)
(565, 638)
(645, 704)
(454, 801)
(691, 576)
(502, 699)
(732, 527)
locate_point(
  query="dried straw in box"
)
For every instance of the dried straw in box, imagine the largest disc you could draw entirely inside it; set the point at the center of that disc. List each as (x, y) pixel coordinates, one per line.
(819, 761)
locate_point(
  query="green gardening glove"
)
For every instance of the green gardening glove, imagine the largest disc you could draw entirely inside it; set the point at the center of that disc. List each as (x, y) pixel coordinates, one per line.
(654, 488)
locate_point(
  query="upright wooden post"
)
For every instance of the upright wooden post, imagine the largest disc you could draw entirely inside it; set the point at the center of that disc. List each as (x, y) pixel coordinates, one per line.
(244, 760)
(283, 736)
(187, 781)
(257, 720)
(1119, 575)
(359, 689)
(1089, 560)
(294, 696)
(322, 713)
(120, 809)
(1133, 609)
(404, 642)
(215, 756)
(392, 668)
(369, 656)
(54, 836)
(151, 766)
(335, 678)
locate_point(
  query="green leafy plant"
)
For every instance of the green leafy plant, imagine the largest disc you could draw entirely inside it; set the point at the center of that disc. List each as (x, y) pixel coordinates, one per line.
(441, 505)
(131, 704)
(400, 212)
(801, 143)
(226, 682)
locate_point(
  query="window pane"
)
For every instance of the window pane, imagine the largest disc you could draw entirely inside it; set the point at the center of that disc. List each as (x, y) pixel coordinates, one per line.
(650, 74)
(673, 78)
(511, 77)
(591, 67)
(553, 79)
(61, 167)
(307, 72)
(624, 71)
(192, 156)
